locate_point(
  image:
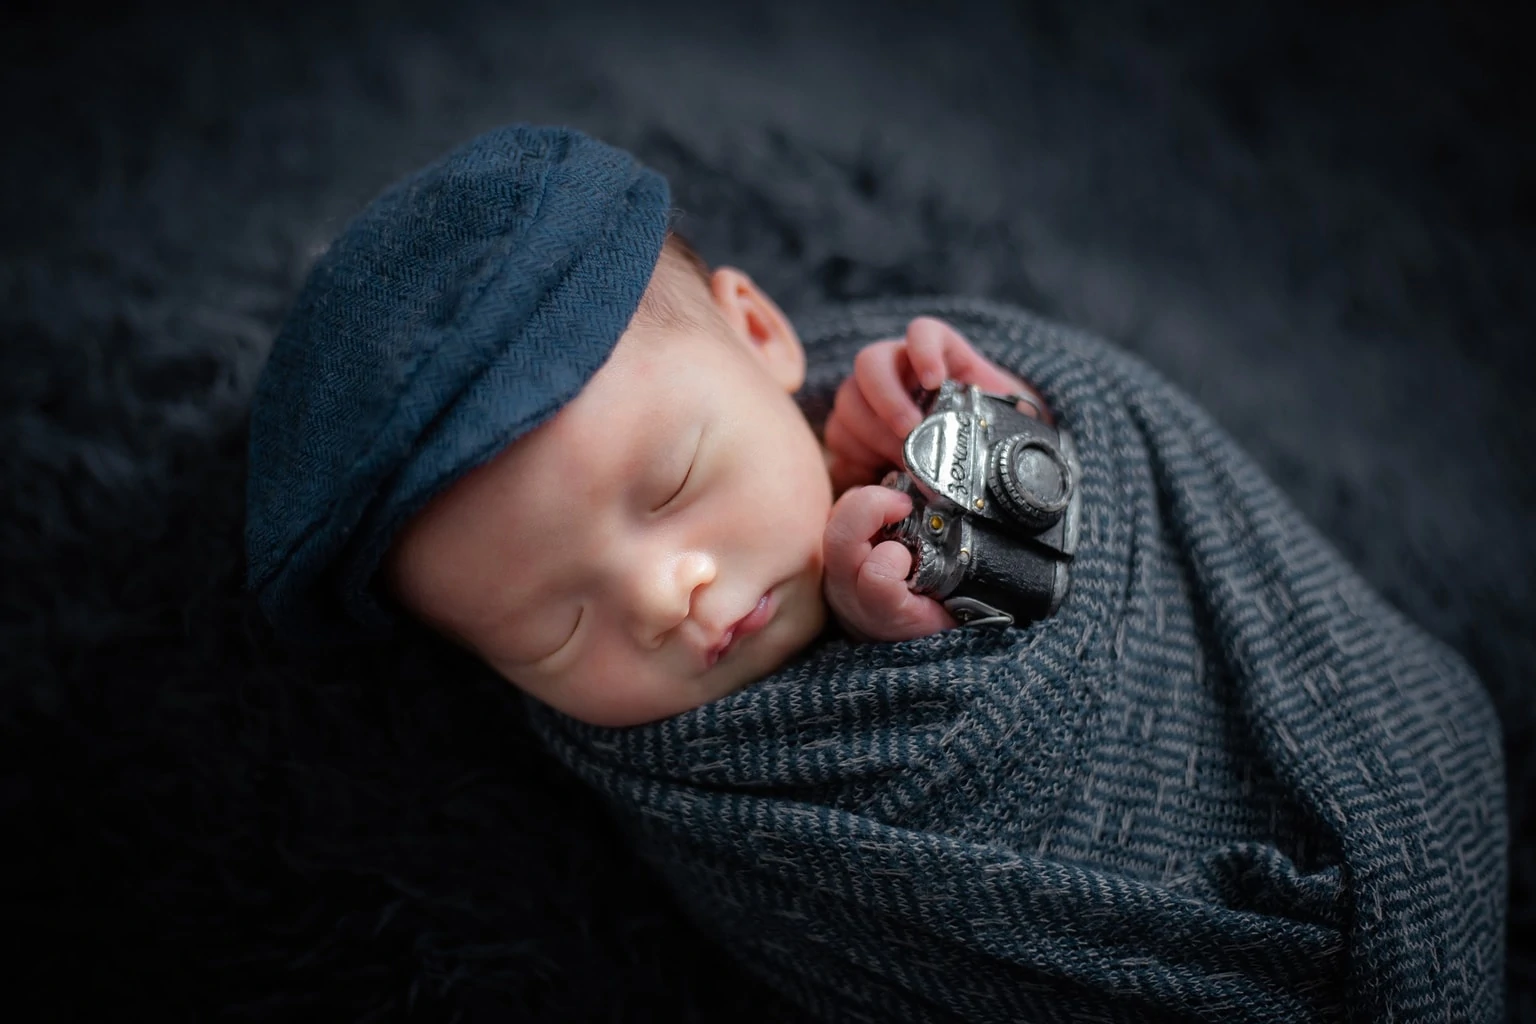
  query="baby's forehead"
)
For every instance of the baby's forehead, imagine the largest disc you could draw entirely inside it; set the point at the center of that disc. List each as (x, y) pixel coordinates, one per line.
(561, 473)
(629, 405)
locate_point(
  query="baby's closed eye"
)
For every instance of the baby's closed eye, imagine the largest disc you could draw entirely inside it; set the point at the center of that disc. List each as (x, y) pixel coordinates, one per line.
(538, 639)
(674, 481)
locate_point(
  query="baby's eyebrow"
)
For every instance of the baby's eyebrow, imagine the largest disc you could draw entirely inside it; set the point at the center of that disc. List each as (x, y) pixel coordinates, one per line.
(647, 454)
(633, 458)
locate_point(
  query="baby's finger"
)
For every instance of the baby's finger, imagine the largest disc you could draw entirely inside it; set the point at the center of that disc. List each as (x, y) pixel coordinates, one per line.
(888, 561)
(845, 447)
(936, 348)
(855, 518)
(933, 343)
(846, 475)
(880, 588)
(885, 379)
(859, 514)
(852, 410)
(894, 611)
(929, 341)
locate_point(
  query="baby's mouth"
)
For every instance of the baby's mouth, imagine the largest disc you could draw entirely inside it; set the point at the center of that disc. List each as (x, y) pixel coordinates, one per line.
(742, 628)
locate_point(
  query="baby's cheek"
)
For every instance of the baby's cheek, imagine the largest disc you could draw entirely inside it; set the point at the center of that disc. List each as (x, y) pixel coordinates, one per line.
(606, 693)
(618, 686)
(584, 690)
(805, 614)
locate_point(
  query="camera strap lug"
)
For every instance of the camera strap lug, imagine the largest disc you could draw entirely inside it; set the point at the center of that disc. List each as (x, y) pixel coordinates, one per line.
(970, 612)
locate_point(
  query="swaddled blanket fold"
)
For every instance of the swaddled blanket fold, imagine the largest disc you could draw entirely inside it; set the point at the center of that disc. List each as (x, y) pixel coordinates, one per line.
(1226, 781)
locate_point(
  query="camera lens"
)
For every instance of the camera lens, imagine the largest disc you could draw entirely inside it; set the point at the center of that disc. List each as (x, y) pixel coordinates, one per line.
(1030, 478)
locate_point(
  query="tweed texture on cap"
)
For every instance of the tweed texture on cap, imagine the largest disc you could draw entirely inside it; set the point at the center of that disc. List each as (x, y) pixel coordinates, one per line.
(461, 309)
(1227, 781)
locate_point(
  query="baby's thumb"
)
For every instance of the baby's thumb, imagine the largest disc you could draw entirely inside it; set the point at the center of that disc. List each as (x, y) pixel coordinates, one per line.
(892, 611)
(887, 566)
(895, 612)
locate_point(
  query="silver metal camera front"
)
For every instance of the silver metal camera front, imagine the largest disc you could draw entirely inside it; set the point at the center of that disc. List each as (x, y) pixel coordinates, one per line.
(943, 452)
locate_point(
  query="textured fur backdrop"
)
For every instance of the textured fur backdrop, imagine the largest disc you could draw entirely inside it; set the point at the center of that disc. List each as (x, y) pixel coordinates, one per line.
(1317, 221)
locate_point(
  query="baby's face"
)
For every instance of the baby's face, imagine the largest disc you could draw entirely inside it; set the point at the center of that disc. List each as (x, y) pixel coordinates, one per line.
(656, 545)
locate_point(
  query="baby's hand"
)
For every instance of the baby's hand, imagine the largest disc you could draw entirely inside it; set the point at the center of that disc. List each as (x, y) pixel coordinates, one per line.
(874, 410)
(866, 582)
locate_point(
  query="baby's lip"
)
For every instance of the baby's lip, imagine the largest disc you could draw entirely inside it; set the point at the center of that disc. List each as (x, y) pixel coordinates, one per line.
(758, 617)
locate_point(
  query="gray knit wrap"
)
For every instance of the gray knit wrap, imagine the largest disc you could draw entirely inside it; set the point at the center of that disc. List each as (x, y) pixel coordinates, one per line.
(1227, 781)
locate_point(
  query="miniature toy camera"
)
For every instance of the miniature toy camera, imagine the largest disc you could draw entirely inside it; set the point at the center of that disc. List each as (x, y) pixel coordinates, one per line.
(995, 507)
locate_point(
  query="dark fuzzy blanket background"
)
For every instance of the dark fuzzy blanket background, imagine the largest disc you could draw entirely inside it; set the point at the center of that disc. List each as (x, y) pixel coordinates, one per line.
(1316, 220)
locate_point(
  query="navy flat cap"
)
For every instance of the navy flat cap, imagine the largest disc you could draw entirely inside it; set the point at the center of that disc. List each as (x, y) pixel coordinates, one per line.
(461, 309)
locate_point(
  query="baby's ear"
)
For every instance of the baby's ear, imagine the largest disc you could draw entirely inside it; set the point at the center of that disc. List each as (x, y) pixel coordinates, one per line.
(761, 325)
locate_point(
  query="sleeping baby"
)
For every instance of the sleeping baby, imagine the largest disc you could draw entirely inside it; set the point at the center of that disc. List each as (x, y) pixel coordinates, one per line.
(1223, 780)
(692, 496)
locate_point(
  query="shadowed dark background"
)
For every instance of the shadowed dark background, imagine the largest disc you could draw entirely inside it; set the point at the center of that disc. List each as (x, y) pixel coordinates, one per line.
(1316, 220)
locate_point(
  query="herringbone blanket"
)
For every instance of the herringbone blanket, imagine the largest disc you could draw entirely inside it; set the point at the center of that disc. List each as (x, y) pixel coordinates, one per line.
(1227, 781)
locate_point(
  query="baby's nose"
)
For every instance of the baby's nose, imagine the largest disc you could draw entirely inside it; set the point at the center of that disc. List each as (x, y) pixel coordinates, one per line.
(665, 591)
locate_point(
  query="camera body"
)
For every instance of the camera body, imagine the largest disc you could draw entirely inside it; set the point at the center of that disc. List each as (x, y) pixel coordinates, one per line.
(995, 507)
